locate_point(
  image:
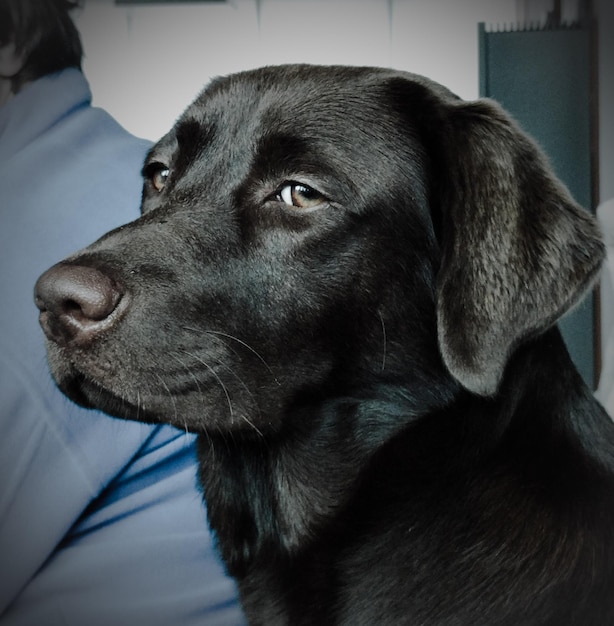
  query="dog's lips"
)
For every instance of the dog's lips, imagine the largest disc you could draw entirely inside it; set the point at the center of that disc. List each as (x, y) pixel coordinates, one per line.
(99, 384)
(69, 377)
(88, 391)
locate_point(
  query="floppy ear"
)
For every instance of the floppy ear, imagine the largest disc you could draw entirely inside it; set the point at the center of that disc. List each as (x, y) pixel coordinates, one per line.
(518, 252)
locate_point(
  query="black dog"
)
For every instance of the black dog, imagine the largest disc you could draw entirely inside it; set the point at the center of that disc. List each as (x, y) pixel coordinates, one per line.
(347, 280)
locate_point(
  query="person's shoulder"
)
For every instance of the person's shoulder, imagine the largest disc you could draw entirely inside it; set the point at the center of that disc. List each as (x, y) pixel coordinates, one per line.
(94, 125)
(104, 130)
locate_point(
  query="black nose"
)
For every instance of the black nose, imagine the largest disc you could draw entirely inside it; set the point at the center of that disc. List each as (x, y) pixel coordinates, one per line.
(76, 303)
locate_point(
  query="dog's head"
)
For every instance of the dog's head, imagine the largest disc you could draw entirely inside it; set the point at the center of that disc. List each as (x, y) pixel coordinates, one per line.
(318, 231)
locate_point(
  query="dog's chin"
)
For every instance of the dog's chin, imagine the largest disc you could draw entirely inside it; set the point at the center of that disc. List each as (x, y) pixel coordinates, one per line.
(202, 410)
(88, 392)
(91, 395)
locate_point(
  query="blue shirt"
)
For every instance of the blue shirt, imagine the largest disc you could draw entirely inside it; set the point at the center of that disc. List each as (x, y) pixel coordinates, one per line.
(101, 522)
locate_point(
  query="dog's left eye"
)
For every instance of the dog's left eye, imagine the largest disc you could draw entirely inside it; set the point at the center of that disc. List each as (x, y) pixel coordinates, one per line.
(300, 196)
(158, 174)
(159, 179)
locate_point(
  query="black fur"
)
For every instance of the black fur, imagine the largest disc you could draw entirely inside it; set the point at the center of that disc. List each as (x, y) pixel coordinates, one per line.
(392, 431)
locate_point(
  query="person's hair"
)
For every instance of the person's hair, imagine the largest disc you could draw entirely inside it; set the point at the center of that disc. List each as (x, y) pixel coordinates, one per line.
(44, 33)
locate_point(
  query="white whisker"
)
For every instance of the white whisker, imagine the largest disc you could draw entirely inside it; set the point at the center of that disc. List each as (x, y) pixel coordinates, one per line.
(221, 383)
(239, 341)
(200, 391)
(385, 341)
(215, 375)
(170, 395)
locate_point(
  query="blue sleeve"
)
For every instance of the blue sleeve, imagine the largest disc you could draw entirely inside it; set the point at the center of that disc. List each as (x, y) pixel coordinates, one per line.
(75, 551)
(101, 521)
(135, 551)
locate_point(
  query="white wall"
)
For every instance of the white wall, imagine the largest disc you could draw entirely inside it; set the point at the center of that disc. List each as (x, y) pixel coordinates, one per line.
(605, 9)
(146, 63)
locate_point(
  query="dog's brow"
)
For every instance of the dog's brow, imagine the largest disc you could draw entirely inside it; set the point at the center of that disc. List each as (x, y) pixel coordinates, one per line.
(278, 148)
(192, 135)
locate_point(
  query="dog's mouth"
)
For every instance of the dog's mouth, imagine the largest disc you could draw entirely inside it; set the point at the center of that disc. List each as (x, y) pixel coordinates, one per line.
(205, 401)
(90, 394)
(89, 391)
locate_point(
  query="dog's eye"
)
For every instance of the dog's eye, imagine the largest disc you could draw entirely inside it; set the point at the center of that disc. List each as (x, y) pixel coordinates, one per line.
(158, 176)
(300, 196)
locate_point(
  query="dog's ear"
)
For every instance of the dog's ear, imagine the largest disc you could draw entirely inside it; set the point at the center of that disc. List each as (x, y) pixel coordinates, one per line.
(518, 252)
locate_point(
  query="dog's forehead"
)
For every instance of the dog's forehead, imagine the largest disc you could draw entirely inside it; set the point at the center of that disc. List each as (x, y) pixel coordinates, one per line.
(299, 119)
(287, 98)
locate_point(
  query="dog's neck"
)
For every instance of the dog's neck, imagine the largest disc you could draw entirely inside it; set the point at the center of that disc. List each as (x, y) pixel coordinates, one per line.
(273, 495)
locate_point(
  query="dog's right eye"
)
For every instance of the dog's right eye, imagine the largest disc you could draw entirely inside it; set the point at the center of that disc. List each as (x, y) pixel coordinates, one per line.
(157, 173)
(300, 196)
